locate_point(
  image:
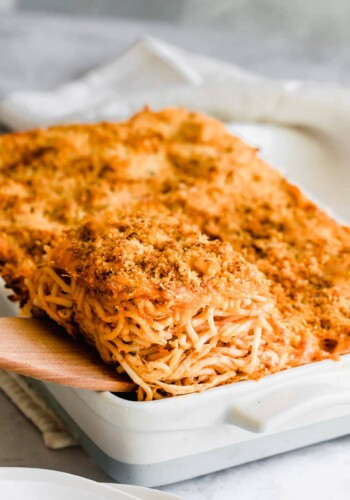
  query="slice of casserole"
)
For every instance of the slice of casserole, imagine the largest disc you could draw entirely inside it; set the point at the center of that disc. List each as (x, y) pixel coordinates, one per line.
(177, 312)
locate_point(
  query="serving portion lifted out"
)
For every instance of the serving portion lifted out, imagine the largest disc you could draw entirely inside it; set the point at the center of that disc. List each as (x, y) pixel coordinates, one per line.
(177, 312)
(174, 249)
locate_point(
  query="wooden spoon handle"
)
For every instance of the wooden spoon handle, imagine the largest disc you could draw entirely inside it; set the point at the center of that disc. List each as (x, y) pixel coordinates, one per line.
(41, 349)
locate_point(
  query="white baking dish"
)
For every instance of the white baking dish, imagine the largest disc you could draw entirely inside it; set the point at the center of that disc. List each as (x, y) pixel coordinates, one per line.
(158, 442)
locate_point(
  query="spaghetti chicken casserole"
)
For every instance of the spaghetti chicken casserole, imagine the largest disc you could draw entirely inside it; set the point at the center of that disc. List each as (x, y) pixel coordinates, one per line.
(226, 272)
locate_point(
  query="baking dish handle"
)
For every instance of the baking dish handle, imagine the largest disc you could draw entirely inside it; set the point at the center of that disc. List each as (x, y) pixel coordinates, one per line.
(269, 410)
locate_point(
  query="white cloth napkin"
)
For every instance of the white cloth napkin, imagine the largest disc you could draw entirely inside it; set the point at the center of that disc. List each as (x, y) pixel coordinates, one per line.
(149, 72)
(31, 404)
(156, 74)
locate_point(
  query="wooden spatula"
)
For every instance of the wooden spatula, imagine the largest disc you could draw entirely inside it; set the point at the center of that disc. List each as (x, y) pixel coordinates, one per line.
(40, 349)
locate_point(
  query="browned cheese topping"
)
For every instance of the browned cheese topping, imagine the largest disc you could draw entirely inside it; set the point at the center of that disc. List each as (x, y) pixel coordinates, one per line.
(153, 255)
(190, 165)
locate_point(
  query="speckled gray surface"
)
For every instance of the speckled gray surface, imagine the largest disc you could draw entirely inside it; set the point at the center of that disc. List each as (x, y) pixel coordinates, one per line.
(40, 51)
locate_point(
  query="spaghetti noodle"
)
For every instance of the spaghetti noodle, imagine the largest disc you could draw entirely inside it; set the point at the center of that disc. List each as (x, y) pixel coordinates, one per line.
(177, 312)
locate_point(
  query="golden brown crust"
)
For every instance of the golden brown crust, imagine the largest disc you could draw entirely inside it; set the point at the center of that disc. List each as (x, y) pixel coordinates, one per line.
(50, 179)
(300, 249)
(154, 255)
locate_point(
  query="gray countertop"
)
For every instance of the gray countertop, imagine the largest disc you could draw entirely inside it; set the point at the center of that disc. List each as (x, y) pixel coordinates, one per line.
(38, 52)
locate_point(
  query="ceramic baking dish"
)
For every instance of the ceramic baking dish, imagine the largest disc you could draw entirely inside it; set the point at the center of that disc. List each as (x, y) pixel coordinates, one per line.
(159, 442)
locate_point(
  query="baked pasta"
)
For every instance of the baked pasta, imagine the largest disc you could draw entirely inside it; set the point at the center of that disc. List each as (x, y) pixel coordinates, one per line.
(189, 166)
(177, 312)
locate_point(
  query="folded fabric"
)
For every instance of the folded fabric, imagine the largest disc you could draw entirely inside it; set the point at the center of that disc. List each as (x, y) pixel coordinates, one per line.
(148, 68)
(31, 404)
(154, 73)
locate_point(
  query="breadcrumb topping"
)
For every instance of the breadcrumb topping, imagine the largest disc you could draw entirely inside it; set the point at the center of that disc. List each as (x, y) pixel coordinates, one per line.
(51, 179)
(157, 256)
